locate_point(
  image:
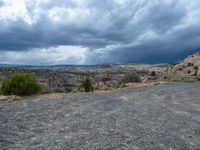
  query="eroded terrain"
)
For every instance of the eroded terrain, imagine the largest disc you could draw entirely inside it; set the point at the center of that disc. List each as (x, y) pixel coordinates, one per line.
(154, 117)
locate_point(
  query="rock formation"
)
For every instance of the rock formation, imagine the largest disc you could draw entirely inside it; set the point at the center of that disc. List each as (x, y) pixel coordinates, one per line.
(189, 66)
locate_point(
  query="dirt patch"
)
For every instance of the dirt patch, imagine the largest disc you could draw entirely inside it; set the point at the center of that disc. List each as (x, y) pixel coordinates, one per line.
(10, 98)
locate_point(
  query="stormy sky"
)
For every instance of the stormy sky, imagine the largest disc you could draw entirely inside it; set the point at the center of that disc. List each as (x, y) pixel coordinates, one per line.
(46, 32)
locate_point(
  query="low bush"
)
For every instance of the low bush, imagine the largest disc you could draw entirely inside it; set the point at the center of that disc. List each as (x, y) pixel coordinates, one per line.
(22, 84)
(87, 85)
(196, 78)
(6, 87)
(190, 64)
(131, 77)
(58, 91)
(123, 85)
(153, 74)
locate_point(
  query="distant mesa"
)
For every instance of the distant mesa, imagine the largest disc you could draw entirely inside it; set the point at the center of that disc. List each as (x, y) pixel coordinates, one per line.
(105, 66)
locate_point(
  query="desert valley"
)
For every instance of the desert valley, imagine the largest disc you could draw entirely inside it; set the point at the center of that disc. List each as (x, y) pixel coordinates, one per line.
(99, 75)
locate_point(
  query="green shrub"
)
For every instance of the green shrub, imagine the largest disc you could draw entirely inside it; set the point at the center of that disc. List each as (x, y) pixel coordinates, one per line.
(196, 67)
(87, 85)
(58, 90)
(76, 90)
(131, 77)
(123, 85)
(22, 84)
(196, 78)
(6, 87)
(190, 64)
(153, 74)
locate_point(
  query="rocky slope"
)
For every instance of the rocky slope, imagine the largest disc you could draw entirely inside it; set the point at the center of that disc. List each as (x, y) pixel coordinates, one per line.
(186, 71)
(189, 67)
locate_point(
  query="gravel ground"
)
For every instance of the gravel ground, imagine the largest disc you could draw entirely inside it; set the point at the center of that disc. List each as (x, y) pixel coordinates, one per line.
(147, 118)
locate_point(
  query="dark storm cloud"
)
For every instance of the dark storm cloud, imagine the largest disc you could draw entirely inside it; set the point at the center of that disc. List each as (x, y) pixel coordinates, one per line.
(169, 48)
(117, 31)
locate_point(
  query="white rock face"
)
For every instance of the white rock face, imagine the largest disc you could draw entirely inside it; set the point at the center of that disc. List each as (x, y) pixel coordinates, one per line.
(190, 66)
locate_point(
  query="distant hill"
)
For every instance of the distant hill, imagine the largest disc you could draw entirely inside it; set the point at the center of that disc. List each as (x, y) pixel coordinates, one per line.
(46, 66)
(10, 65)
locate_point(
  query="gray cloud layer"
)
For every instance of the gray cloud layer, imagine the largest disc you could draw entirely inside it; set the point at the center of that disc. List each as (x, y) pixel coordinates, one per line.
(117, 31)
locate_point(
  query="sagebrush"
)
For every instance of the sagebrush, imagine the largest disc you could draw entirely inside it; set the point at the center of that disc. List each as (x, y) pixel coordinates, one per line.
(22, 84)
(131, 77)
